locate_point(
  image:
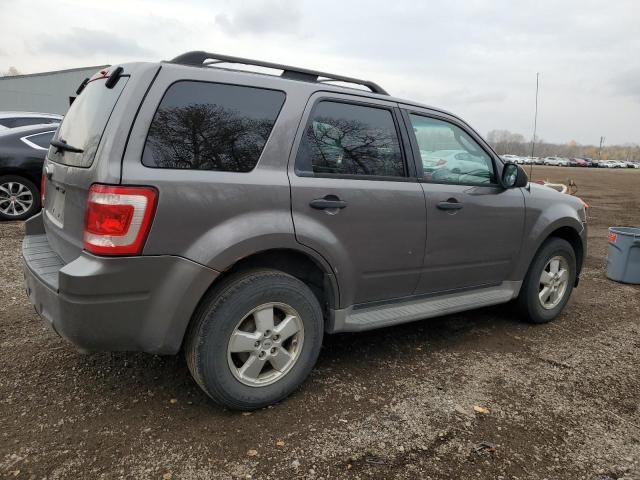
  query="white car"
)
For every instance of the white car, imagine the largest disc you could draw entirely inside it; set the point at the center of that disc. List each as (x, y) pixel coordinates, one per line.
(619, 163)
(557, 161)
(440, 165)
(609, 164)
(511, 158)
(22, 119)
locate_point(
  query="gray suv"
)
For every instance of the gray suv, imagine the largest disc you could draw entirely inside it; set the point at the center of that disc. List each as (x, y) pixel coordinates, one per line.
(239, 216)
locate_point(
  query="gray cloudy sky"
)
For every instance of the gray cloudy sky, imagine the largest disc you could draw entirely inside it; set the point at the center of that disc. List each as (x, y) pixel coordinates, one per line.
(477, 58)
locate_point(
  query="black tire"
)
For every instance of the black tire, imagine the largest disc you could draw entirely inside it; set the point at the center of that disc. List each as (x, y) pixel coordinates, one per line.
(216, 319)
(528, 301)
(35, 193)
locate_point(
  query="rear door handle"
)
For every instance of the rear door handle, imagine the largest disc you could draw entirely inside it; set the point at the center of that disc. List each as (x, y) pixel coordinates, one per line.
(449, 205)
(328, 202)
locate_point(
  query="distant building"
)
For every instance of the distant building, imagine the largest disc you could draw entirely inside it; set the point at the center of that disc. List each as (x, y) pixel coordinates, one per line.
(47, 92)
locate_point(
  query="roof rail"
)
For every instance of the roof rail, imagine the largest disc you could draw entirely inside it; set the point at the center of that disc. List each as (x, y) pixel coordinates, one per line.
(294, 73)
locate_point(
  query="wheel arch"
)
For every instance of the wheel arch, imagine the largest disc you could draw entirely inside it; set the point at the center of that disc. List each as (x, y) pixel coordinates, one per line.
(18, 172)
(566, 229)
(573, 237)
(300, 264)
(303, 265)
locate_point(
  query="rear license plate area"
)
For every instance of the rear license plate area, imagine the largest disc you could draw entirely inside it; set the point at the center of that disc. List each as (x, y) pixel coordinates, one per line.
(55, 211)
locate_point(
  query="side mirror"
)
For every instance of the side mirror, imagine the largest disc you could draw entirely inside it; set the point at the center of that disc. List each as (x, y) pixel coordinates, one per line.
(513, 176)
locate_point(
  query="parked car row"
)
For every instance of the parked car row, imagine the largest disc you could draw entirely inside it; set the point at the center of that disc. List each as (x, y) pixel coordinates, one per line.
(619, 164)
(522, 160)
(571, 162)
(24, 141)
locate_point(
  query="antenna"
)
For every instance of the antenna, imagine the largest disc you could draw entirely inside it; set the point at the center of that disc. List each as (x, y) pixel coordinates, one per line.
(535, 129)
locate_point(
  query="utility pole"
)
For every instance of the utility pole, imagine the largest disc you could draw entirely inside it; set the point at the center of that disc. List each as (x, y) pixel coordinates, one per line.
(600, 149)
(535, 128)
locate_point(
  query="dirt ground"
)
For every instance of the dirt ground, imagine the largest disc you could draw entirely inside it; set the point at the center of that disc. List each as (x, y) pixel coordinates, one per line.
(563, 398)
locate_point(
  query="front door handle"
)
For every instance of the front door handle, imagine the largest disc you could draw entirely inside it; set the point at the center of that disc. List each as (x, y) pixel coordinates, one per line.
(450, 204)
(328, 202)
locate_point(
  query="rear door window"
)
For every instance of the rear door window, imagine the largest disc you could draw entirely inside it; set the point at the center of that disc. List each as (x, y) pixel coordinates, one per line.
(86, 120)
(348, 139)
(211, 126)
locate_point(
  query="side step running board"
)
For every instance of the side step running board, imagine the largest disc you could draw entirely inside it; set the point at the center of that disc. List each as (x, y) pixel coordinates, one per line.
(356, 320)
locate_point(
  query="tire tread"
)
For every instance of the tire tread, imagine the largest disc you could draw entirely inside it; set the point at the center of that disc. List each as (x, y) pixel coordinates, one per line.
(532, 313)
(201, 323)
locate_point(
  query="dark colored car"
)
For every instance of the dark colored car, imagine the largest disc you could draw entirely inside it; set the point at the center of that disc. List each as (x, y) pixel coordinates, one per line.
(239, 217)
(23, 119)
(22, 153)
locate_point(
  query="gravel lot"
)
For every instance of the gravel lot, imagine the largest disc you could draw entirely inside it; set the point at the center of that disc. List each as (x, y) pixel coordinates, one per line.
(563, 398)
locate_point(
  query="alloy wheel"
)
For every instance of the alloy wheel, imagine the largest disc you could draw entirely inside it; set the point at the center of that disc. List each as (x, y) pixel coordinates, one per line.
(15, 199)
(265, 344)
(554, 281)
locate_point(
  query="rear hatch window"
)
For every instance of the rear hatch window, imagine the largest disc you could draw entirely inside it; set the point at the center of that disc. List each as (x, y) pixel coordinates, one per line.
(67, 184)
(86, 120)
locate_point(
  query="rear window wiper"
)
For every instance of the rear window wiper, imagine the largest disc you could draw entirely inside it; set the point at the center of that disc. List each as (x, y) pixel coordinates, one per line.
(82, 85)
(61, 144)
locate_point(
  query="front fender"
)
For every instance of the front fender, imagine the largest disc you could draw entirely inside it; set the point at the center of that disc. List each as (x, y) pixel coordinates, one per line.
(544, 216)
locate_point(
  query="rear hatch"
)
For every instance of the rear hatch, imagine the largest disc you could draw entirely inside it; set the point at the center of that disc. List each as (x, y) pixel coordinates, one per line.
(81, 159)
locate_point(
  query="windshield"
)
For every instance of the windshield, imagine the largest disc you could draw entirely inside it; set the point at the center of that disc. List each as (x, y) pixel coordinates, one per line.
(85, 121)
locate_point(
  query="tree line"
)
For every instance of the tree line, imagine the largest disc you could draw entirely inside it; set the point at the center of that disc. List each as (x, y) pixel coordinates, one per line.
(506, 142)
(12, 72)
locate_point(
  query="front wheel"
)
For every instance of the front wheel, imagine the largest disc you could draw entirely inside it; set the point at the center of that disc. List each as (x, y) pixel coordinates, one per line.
(549, 281)
(254, 339)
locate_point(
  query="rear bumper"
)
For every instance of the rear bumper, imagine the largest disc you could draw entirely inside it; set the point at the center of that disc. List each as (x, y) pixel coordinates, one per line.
(139, 303)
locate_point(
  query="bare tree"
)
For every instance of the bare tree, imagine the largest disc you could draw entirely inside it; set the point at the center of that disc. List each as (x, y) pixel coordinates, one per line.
(12, 72)
(352, 147)
(206, 137)
(505, 141)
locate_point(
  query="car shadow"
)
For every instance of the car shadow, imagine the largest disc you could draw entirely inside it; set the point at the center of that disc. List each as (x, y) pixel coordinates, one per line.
(130, 380)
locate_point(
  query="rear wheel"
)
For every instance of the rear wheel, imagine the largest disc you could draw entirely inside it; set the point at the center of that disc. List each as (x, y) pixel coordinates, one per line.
(19, 198)
(254, 339)
(549, 281)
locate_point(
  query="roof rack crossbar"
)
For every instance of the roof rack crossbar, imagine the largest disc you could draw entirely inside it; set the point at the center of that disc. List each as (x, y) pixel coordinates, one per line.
(206, 58)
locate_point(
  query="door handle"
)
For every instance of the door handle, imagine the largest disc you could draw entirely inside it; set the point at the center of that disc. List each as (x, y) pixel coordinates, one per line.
(328, 202)
(450, 204)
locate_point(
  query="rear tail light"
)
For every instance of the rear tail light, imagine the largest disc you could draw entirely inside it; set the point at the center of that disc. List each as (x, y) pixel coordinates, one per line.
(118, 219)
